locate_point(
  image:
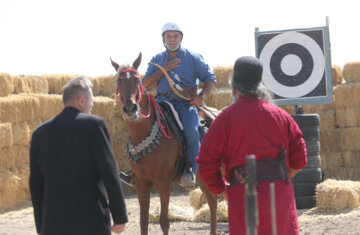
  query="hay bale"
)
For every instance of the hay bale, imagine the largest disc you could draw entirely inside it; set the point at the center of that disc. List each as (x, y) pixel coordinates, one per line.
(18, 108)
(348, 116)
(222, 74)
(197, 199)
(176, 213)
(350, 137)
(104, 107)
(5, 164)
(347, 95)
(6, 134)
(57, 81)
(331, 141)
(337, 77)
(30, 84)
(50, 106)
(18, 155)
(6, 84)
(352, 159)
(333, 159)
(343, 173)
(14, 188)
(35, 123)
(337, 195)
(351, 72)
(104, 85)
(21, 133)
(203, 214)
(328, 121)
(219, 98)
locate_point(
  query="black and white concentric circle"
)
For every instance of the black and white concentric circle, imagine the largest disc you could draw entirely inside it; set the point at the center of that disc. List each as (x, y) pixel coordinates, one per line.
(294, 64)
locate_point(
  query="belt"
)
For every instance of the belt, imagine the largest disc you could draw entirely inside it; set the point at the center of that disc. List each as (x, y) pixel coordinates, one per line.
(266, 170)
(171, 95)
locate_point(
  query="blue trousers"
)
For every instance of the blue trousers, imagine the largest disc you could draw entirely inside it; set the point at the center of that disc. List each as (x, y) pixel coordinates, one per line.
(189, 118)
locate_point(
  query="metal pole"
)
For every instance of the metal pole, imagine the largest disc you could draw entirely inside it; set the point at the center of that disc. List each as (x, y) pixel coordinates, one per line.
(273, 209)
(251, 197)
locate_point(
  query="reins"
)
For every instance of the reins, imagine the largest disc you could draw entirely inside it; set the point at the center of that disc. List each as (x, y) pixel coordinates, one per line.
(151, 101)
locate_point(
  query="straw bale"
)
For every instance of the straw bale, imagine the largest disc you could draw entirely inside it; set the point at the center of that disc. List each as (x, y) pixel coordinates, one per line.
(348, 116)
(57, 81)
(14, 189)
(176, 213)
(222, 74)
(117, 127)
(34, 124)
(30, 84)
(333, 159)
(347, 95)
(18, 108)
(290, 109)
(121, 157)
(4, 159)
(351, 72)
(19, 156)
(6, 134)
(351, 137)
(6, 84)
(104, 107)
(331, 141)
(104, 85)
(203, 214)
(21, 133)
(352, 159)
(337, 77)
(343, 173)
(327, 120)
(197, 198)
(337, 195)
(50, 105)
(219, 98)
(318, 108)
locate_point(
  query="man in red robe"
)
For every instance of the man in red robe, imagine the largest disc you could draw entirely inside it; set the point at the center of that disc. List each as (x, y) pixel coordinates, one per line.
(252, 125)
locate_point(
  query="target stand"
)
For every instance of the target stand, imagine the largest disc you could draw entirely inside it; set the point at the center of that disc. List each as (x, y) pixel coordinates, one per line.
(296, 65)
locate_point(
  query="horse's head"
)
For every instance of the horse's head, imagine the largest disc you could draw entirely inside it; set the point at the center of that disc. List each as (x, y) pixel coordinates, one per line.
(129, 87)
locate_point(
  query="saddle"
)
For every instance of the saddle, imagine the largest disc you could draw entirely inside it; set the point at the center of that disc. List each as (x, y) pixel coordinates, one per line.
(206, 116)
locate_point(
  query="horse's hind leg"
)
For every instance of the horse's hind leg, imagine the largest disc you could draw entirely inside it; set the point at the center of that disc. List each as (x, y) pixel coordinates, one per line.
(212, 202)
(143, 192)
(164, 191)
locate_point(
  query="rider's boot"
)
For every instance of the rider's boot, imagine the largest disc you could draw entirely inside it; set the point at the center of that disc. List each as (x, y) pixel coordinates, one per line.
(187, 180)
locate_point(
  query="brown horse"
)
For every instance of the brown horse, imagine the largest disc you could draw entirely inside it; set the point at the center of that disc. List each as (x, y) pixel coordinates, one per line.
(153, 150)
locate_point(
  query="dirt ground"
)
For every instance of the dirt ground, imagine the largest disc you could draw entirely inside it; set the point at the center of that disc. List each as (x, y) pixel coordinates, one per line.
(21, 222)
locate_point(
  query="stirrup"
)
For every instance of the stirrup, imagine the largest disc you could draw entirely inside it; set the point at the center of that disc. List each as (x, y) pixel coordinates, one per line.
(127, 178)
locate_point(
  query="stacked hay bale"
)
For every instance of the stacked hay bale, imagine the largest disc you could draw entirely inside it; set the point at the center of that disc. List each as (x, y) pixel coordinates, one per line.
(28, 101)
(347, 109)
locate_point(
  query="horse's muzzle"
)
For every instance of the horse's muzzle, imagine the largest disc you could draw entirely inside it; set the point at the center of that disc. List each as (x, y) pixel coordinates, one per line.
(131, 110)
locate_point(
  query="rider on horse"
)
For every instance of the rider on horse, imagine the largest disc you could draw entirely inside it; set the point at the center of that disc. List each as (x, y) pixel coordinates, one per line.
(185, 68)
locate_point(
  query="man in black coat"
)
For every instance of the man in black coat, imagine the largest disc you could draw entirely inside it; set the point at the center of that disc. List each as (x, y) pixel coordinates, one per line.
(74, 182)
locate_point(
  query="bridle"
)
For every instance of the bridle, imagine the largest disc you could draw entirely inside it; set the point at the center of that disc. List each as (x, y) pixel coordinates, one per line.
(141, 89)
(151, 100)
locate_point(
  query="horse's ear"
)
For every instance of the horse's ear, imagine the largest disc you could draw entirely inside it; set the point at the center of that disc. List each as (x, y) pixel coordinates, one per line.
(137, 62)
(114, 64)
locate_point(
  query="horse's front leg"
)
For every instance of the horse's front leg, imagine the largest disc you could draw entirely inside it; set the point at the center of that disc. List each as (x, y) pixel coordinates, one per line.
(164, 190)
(143, 192)
(212, 202)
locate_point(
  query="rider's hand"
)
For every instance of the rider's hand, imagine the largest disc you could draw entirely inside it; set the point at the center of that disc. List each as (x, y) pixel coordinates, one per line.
(196, 100)
(118, 228)
(171, 64)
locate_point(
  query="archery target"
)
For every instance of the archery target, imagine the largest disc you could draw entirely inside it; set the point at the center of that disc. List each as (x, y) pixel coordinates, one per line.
(294, 63)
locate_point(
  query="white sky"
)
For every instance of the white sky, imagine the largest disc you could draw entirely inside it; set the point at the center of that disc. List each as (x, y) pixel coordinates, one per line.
(78, 36)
